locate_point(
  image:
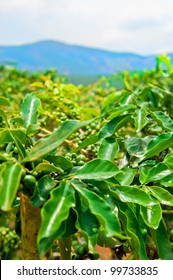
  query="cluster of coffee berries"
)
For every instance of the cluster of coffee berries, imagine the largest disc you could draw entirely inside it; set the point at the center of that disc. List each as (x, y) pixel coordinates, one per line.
(9, 241)
(76, 160)
(81, 251)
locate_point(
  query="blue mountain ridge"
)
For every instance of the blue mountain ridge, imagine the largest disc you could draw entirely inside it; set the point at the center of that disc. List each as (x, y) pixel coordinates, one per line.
(73, 59)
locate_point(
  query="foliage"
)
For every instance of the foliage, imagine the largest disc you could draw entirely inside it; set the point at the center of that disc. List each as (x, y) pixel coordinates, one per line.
(89, 163)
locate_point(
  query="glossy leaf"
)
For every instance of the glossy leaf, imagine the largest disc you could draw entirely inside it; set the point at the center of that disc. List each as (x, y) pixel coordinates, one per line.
(6, 136)
(159, 144)
(112, 126)
(167, 181)
(139, 117)
(108, 149)
(149, 162)
(29, 109)
(143, 173)
(132, 229)
(135, 146)
(54, 212)
(98, 207)
(158, 172)
(121, 110)
(19, 145)
(163, 120)
(98, 169)
(83, 216)
(125, 176)
(151, 215)
(162, 195)
(66, 229)
(133, 194)
(43, 187)
(50, 143)
(47, 167)
(60, 161)
(169, 161)
(162, 242)
(10, 177)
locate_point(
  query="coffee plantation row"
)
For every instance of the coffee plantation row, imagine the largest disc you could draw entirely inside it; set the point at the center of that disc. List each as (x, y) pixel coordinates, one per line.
(87, 166)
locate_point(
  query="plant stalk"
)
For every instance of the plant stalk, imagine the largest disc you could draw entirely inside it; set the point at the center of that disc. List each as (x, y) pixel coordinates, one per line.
(65, 248)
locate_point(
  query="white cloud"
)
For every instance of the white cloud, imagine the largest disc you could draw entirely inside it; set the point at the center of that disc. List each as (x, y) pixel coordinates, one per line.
(143, 26)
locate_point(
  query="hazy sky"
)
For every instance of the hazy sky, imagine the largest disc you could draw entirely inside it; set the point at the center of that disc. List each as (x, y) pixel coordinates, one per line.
(141, 26)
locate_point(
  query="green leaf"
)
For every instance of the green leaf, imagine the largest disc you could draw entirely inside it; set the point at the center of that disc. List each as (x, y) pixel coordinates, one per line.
(165, 60)
(19, 145)
(43, 187)
(83, 216)
(144, 93)
(89, 113)
(50, 143)
(48, 168)
(139, 117)
(4, 101)
(132, 194)
(149, 162)
(98, 169)
(151, 215)
(32, 129)
(125, 176)
(98, 207)
(3, 115)
(115, 97)
(108, 149)
(132, 229)
(143, 173)
(59, 161)
(66, 229)
(29, 109)
(114, 125)
(162, 242)
(121, 110)
(69, 224)
(162, 195)
(135, 146)
(6, 136)
(10, 177)
(167, 181)
(105, 241)
(169, 161)
(163, 120)
(158, 172)
(54, 212)
(159, 144)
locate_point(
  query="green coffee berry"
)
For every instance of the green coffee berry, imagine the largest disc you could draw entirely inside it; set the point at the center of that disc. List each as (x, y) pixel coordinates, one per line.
(80, 163)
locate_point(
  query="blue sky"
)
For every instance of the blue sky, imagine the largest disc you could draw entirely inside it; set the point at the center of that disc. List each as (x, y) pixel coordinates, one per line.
(140, 26)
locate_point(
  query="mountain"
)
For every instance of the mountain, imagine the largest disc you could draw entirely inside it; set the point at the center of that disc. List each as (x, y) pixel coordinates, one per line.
(73, 59)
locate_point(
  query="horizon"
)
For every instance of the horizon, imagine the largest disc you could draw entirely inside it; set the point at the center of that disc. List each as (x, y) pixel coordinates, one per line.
(83, 46)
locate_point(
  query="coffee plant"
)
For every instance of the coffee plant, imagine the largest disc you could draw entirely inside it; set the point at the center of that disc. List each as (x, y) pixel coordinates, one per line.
(90, 165)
